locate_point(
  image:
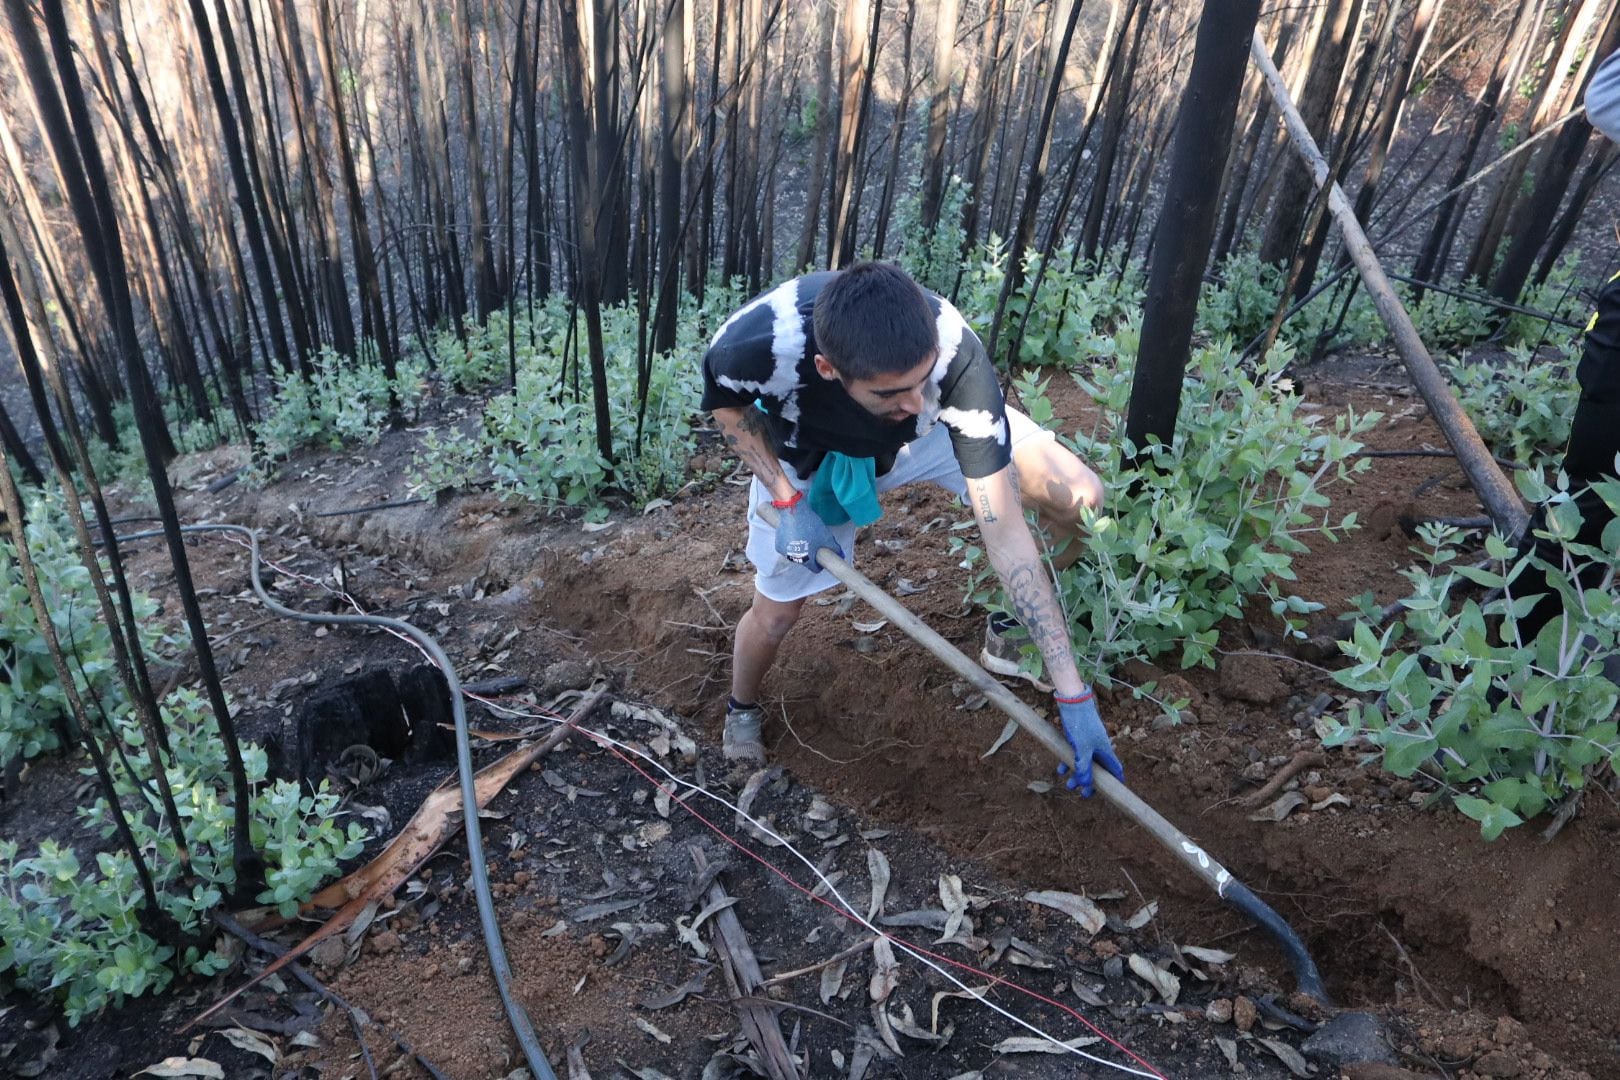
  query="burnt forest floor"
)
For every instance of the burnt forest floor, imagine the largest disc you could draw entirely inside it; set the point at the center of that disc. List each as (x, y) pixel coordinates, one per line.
(1482, 959)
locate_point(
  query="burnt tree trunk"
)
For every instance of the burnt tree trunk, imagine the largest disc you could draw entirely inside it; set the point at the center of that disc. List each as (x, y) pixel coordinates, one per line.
(1187, 221)
(939, 113)
(1316, 105)
(821, 143)
(1554, 169)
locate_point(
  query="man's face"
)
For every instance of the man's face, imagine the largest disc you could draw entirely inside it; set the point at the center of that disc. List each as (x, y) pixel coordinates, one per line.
(894, 397)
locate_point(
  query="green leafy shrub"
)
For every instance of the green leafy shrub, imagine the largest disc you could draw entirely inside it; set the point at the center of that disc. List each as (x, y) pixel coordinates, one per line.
(479, 358)
(1510, 725)
(1522, 405)
(69, 932)
(455, 460)
(539, 443)
(76, 933)
(1245, 295)
(933, 256)
(127, 464)
(1243, 300)
(1215, 525)
(32, 702)
(346, 400)
(1072, 315)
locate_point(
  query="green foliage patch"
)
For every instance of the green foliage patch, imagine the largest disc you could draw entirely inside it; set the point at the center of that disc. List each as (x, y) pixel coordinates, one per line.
(1510, 726)
(934, 257)
(539, 443)
(32, 701)
(71, 926)
(345, 400)
(1071, 317)
(1211, 525)
(1522, 404)
(75, 931)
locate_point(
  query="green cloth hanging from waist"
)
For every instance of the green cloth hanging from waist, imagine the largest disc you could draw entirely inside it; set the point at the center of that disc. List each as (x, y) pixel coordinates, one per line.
(844, 489)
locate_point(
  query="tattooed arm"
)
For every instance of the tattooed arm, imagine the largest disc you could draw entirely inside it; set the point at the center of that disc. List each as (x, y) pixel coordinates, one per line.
(1011, 547)
(748, 437)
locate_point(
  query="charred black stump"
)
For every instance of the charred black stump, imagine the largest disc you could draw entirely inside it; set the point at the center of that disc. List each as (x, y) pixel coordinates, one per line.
(369, 710)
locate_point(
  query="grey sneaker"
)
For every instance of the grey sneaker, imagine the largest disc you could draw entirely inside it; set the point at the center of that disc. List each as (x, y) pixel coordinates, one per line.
(742, 740)
(1003, 651)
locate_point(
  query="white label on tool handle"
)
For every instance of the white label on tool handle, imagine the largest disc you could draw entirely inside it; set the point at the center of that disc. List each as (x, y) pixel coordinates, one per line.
(1222, 878)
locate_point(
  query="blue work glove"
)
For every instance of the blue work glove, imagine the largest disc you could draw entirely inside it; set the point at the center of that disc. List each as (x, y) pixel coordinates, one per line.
(1083, 727)
(800, 532)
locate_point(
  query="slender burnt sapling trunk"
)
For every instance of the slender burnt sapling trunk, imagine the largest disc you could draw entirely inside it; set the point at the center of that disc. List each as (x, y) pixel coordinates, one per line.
(75, 149)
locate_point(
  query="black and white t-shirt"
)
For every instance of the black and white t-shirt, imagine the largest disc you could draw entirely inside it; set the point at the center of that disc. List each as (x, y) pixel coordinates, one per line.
(765, 353)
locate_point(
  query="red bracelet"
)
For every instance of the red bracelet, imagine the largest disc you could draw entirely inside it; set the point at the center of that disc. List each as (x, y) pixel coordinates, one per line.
(788, 504)
(1081, 700)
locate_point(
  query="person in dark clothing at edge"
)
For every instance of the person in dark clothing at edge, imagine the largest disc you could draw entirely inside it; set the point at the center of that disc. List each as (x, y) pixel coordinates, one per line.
(1594, 437)
(837, 386)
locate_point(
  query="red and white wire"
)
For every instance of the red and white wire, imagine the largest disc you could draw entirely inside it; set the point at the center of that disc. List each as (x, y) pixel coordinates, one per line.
(625, 752)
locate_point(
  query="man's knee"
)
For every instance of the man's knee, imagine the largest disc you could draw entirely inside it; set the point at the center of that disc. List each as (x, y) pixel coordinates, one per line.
(1065, 487)
(772, 619)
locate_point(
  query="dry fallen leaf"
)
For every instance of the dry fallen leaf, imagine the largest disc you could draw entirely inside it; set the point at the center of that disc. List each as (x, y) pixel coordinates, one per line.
(1168, 986)
(1280, 809)
(1287, 1055)
(691, 986)
(886, 972)
(184, 1066)
(1001, 740)
(906, 1024)
(652, 1029)
(952, 899)
(252, 1042)
(832, 980)
(1143, 916)
(975, 992)
(1030, 1044)
(689, 935)
(1229, 1048)
(1208, 956)
(877, 865)
(1078, 908)
(880, 1017)
(1023, 959)
(1334, 799)
(1087, 992)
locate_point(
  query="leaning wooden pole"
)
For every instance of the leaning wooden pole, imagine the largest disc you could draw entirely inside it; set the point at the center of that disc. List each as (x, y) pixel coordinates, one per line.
(1488, 480)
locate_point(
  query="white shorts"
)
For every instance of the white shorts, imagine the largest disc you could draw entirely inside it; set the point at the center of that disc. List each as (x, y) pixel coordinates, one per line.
(930, 459)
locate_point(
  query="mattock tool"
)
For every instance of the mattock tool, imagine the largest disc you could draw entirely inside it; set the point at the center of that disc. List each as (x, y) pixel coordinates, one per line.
(1190, 854)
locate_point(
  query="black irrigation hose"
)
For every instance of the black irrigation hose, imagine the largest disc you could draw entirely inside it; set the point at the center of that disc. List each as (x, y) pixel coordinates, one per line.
(374, 506)
(499, 965)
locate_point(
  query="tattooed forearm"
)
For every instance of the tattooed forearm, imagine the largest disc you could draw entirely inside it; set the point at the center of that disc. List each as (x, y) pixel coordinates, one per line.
(1033, 603)
(981, 498)
(987, 515)
(749, 437)
(1032, 596)
(753, 422)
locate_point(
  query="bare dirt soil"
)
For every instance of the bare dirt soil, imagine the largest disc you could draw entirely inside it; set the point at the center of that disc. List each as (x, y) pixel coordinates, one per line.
(1485, 960)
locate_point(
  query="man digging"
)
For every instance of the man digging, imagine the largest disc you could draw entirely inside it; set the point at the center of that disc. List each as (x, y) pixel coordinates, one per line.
(836, 387)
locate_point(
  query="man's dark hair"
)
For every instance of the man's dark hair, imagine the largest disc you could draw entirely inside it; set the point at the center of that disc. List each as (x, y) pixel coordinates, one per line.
(872, 319)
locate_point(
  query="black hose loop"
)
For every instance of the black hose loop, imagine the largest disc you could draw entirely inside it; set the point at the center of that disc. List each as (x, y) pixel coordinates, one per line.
(499, 965)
